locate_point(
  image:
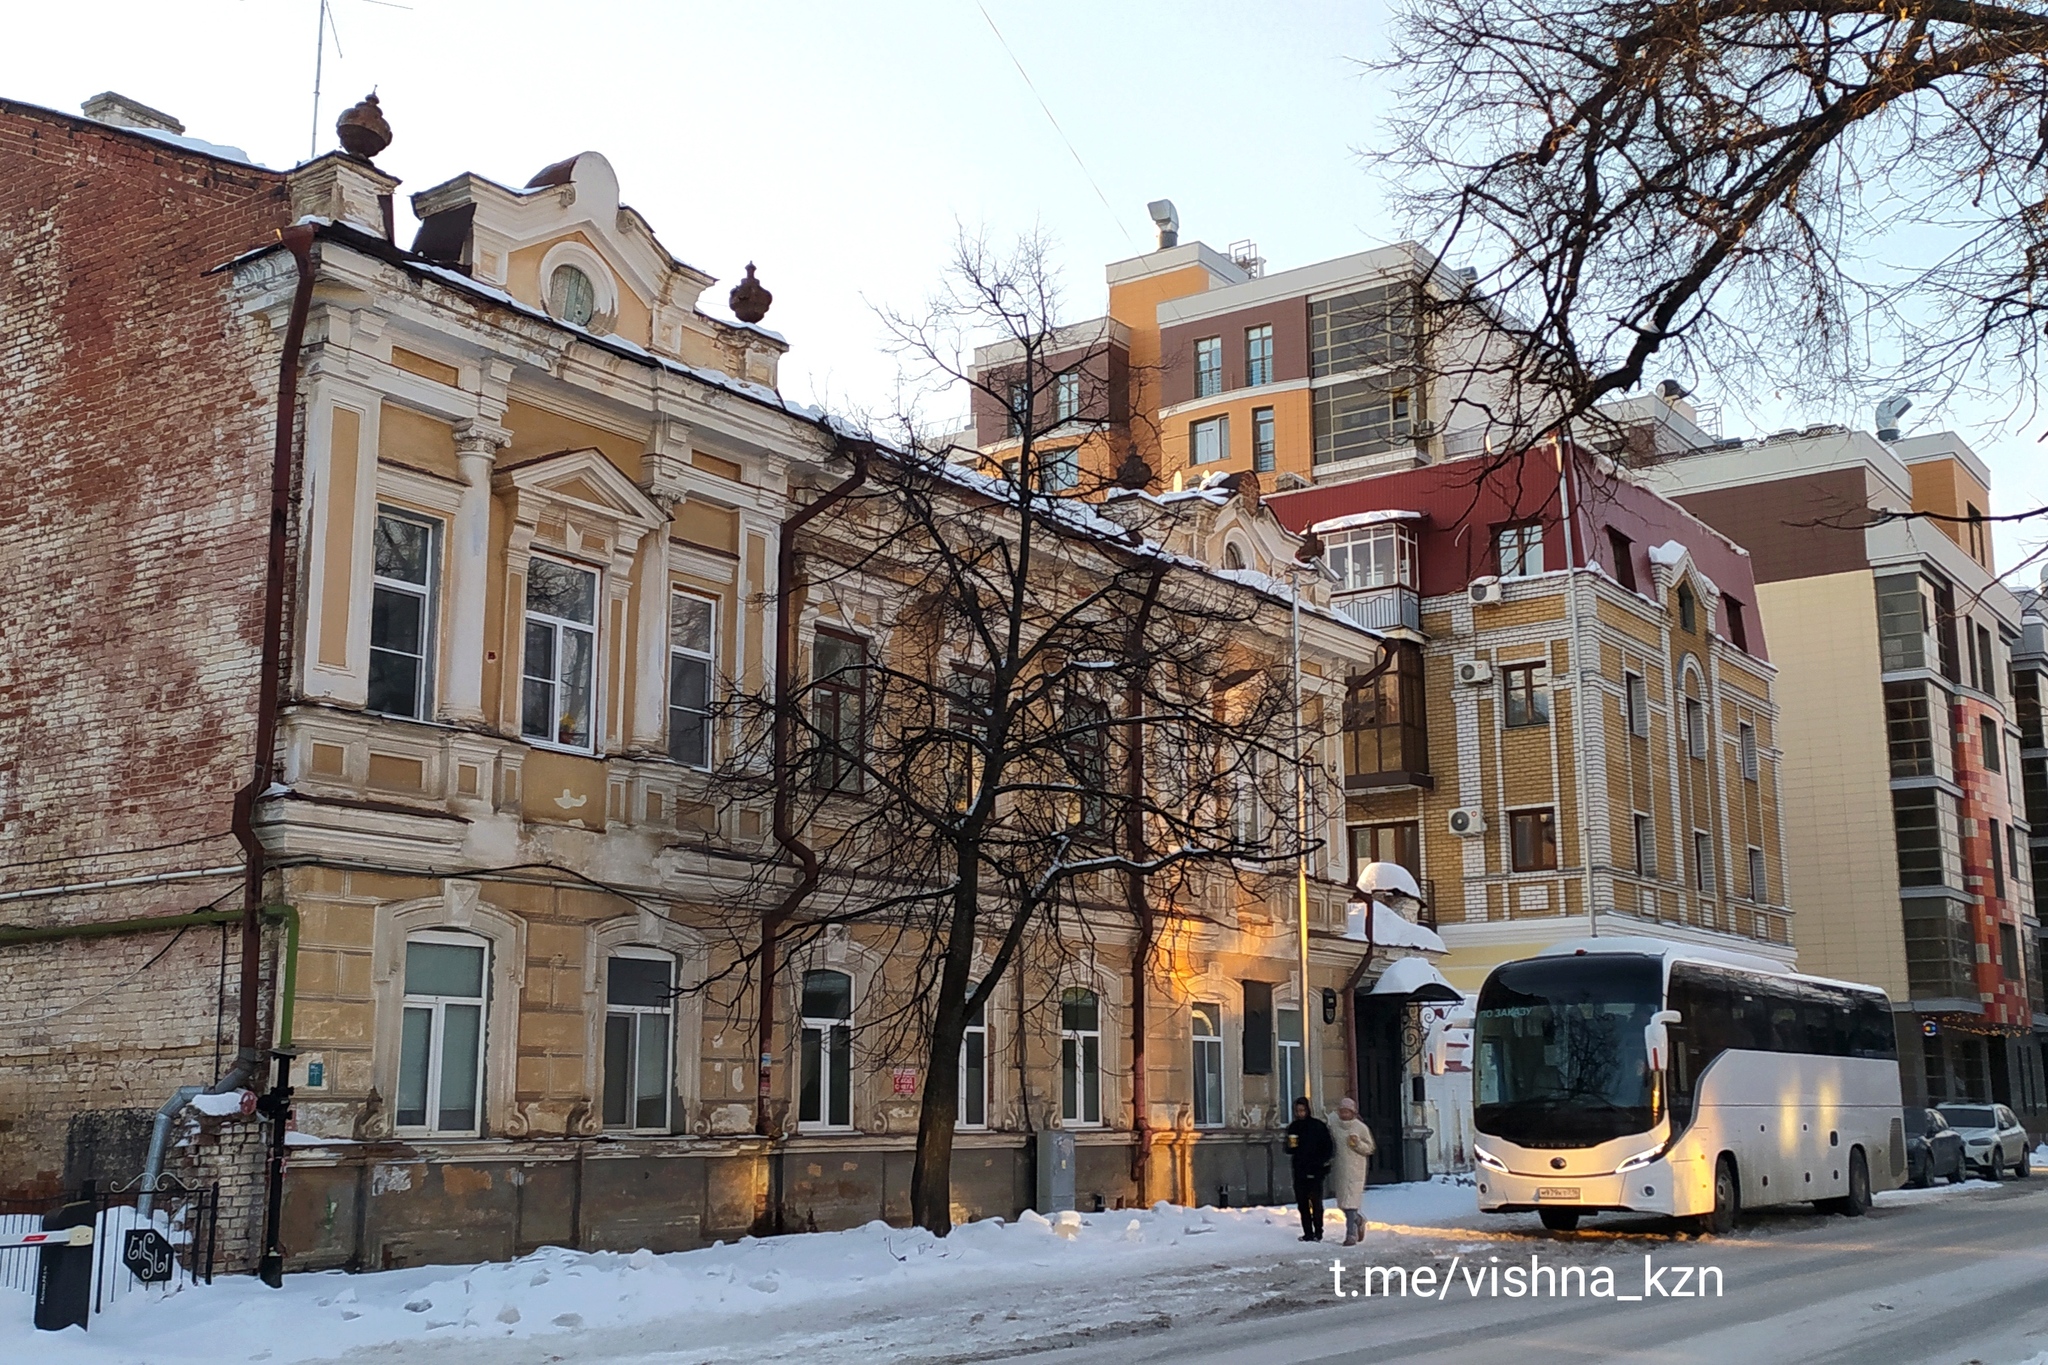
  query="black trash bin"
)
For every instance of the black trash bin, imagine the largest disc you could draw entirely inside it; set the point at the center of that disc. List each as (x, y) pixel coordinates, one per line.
(64, 1273)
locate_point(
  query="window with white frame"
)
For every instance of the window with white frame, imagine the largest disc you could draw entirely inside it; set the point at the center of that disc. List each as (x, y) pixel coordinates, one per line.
(1746, 747)
(1703, 862)
(825, 1086)
(1380, 556)
(1248, 805)
(1208, 1065)
(1759, 887)
(1258, 355)
(1059, 470)
(1292, 1079)
(1080, 1057)
(560, 669)
(1637, 700)
(1265, 445)
(973, 1111)
(1066, 393)
(1695, 727)
(1019, 410)
(692, 657)
(1209, 441)
(639, 1022)
(441, 1037)
(1208, 367)
(402, 614)
(1646, 845)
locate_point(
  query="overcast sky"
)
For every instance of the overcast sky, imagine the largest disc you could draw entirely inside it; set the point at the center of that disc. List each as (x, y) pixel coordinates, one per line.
(838, 146)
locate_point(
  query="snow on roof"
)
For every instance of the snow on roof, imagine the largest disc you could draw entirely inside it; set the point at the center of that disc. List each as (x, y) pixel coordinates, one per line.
(1408, 975)
(1357, 519)
(1390, 929)
(1072, 513)
(194, 144)
(1669, 554)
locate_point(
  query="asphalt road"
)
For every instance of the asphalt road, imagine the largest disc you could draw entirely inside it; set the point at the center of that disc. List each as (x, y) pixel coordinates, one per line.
(1951, 1281)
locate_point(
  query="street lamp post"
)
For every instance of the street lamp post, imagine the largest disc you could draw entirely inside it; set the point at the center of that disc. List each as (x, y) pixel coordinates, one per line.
(1309, 1055)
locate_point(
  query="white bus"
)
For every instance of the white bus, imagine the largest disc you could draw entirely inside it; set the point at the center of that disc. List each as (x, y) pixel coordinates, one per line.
(1639, 1075)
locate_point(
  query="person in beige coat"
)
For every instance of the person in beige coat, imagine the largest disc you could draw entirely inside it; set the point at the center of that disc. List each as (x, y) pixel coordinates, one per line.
(1353, 1140)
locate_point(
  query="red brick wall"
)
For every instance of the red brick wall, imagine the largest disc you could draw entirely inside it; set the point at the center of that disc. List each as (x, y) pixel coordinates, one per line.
(136, 414)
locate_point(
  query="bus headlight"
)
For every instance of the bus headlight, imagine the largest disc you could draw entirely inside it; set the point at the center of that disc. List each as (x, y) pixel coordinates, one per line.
(1488, 1159)
(1639, 1160)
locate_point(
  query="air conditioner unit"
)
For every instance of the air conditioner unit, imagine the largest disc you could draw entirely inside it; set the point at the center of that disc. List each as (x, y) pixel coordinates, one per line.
(1475, 672)
(1485, 591)
(1467, 823)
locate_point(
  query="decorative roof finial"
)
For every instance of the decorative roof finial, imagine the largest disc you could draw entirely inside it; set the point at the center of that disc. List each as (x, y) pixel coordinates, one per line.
(362, 129)
(1133, 474)
(749, 299)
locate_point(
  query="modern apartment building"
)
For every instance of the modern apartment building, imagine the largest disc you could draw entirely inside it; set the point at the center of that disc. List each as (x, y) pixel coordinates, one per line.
(1578, 731)
(1910, 695)
(1204, 364)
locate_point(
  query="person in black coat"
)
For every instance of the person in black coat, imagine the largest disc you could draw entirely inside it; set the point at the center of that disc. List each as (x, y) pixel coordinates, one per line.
(1311, 1149)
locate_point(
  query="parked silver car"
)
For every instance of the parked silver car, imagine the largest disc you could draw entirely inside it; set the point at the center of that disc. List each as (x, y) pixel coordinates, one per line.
(1994, 1141)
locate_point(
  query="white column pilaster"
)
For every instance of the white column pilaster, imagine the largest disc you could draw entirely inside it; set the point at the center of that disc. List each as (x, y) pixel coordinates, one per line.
(469, 549)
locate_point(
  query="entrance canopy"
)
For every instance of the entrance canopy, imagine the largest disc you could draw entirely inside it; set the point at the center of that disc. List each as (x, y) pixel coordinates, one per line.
(1414, 979)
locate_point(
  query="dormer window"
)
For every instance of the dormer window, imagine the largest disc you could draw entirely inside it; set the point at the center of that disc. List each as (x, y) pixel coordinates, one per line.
(571, 296)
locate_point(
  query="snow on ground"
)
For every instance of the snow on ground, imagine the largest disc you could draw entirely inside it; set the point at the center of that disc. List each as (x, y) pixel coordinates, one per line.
(582, 1305)
(556, 1293)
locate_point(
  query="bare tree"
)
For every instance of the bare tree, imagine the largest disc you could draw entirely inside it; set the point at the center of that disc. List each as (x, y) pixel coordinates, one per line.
(1014, 702)
(1767, 191)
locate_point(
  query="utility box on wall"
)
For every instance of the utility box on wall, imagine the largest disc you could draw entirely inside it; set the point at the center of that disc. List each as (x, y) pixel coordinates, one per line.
(1055, 1170)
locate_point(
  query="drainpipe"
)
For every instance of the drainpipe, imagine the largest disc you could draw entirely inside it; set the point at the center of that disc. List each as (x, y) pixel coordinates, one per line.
(785, 832)
(1581, 710)
(159, 1139)
(297, 239)
(276, 1106)
(160, 1130)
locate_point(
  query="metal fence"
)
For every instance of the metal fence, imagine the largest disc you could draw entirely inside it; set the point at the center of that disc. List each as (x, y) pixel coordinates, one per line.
(185, 1217)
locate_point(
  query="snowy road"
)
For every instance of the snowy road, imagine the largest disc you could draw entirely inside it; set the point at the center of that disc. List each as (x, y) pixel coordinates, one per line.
(1949, 1275)
(1949, 1280)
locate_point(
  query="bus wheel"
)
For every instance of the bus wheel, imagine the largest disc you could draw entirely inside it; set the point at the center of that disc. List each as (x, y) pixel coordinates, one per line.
(1559, 1220)
(1727, 1200)
(1857, 1202)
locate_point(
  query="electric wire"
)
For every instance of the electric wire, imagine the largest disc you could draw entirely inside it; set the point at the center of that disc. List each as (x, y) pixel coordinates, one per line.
(1071, 150)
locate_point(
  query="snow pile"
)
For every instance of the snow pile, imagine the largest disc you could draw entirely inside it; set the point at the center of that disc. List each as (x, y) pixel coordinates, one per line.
(1390, 929)
(555, 1293)
(1669, 555)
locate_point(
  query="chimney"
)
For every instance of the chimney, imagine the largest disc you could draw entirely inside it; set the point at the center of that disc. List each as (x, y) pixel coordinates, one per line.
(1168, 220)
(1888, 414)
(122, 112)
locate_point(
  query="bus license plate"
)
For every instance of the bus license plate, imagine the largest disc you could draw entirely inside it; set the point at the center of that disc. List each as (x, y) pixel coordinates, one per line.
(1558, 1192)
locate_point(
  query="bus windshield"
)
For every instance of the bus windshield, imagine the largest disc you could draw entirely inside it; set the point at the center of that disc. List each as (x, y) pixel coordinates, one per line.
(1558, 1049)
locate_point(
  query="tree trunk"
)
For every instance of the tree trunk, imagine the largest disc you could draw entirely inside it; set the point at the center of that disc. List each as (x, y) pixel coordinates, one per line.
(1141, 1098)
(931, 1177)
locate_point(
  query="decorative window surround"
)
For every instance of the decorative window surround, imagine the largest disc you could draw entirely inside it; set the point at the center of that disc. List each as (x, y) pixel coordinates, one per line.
(460, 909)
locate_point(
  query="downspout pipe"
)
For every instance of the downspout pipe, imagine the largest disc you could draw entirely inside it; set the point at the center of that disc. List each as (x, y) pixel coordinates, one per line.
(779, 760)
(160, 1130)
(159, 1140)
(276, 1106)
(297, 239)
